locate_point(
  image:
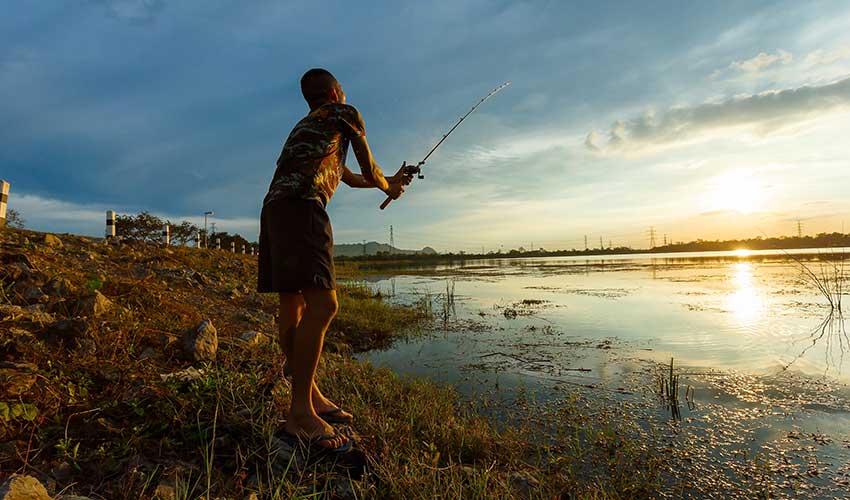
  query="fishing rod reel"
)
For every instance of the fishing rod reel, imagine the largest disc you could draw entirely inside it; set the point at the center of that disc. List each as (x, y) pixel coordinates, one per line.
(413, 169)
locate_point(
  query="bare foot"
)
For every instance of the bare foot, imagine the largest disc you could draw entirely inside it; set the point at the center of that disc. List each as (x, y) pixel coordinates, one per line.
(311, 426)
(325, 405)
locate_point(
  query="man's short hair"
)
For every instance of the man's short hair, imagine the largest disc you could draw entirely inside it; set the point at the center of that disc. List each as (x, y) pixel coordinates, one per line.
(316, 84)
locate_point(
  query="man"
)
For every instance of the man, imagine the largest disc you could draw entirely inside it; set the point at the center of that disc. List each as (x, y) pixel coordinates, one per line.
(296, 244)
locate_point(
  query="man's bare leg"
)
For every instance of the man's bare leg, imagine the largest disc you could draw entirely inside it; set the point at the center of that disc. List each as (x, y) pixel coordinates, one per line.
(321, 307)
(292, 307)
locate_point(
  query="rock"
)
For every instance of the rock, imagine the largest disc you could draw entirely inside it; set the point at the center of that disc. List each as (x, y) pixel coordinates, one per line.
(148, 353)
(63, 472)
(19, 487)
(66, 330)
(52, 241)
(58, 287)
(187, 375)
(201, 343)
(33, 294)
(165, 491)
(31, 313)
(254, 338)
(16, 378)
(200, 278)
(342, 488)
(93, 306)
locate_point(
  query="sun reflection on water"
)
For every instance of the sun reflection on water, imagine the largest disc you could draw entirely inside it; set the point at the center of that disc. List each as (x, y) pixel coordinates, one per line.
(745, 302)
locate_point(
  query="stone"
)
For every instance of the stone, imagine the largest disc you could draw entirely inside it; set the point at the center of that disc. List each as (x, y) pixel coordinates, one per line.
(33, 294)
(254, 338)
(16, 378)
(187, 375)
(21, 487)
(342, 488)
(52, 241)
(94, 305)
(148, 353)
(201, 343)
(63, 472)
(58, 287)
(32, 313)
(165, 491)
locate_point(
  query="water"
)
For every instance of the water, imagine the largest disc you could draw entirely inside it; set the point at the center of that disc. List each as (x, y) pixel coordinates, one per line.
(749, 332)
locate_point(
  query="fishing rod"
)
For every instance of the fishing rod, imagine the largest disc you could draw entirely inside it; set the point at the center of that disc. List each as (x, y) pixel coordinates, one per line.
(417, 169)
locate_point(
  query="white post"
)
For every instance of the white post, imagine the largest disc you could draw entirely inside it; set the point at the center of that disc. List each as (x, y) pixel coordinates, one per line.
(233, 246)
(218, 243)
(166, 235)
(243, 249)
(110, 224)
(252, 251)
(4, 199)
(197, 239)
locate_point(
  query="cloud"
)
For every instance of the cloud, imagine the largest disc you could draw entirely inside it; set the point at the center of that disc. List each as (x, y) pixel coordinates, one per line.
(766, 111)
(823, 57)
(133, 11)
(50, 214)
(762, 61)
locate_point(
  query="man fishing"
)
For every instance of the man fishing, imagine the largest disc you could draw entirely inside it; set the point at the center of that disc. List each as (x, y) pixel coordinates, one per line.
(296, 244)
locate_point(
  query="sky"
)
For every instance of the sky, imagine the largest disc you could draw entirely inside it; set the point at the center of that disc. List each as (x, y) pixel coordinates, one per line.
(704, 120)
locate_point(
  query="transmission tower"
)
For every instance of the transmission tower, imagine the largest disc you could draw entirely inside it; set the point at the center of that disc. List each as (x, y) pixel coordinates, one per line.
(392, 240)
(585, 242)
(651, 238)
(799, 229)
(601, 246)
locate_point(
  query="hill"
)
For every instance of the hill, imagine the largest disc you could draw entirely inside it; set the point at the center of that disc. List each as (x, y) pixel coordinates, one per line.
(375, 248)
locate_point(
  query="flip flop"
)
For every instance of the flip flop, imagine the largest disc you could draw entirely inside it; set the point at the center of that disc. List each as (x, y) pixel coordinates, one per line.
(334, 417)
(313, 445)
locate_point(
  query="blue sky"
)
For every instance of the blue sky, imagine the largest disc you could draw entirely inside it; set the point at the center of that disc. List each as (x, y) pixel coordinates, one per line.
(701, 119)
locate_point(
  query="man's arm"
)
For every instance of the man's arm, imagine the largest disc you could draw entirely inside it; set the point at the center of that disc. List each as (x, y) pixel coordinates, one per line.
(355, 180)
(371, 172)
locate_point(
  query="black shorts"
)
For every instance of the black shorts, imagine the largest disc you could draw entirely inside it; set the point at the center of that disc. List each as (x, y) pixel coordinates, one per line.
(296, 247)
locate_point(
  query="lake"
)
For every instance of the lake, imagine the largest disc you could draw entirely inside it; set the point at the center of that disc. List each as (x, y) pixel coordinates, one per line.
(757, 346)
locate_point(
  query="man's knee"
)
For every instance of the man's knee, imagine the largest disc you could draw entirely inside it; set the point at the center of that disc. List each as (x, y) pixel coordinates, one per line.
(324, 304)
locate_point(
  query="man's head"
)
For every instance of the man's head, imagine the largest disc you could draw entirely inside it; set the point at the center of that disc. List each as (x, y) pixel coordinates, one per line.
(319, 87)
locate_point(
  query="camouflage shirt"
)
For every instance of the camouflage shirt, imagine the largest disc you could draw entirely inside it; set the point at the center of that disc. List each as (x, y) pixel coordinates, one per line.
(311, 163)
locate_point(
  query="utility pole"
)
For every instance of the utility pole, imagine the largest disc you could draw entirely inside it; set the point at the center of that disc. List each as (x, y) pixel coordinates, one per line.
(585, 242)
(665, 240)
(651, 238)
(392, 240)
(799, 228)
(601, 246)
(212, 227)
(206, 214)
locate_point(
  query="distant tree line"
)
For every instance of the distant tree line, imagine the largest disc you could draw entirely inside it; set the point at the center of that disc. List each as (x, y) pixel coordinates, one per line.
(822, 240)
(148, 227)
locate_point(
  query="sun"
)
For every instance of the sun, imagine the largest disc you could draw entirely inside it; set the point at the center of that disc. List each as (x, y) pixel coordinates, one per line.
(737, 191)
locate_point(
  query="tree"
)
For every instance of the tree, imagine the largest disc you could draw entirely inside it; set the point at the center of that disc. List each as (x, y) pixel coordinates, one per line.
(226, 238)
(148, 227)
(14, 219)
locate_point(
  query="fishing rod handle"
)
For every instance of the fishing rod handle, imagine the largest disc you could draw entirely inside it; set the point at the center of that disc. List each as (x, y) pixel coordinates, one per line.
(386, 202)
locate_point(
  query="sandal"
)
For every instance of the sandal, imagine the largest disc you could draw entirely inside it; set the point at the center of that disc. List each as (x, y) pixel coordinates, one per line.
(312, 443)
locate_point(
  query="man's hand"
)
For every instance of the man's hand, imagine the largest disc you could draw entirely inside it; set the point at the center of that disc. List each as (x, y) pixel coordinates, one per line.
(400, 177)
(396, 189)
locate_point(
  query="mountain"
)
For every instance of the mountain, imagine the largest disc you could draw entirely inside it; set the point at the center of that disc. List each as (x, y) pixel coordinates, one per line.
(374, 248)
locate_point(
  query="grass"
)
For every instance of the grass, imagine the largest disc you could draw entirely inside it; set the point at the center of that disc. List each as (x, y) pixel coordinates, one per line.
(101, 421)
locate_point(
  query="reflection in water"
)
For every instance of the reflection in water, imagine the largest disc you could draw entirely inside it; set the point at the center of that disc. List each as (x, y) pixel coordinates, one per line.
(745, 302)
